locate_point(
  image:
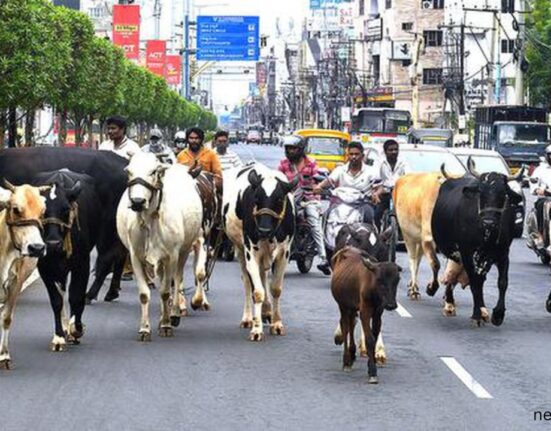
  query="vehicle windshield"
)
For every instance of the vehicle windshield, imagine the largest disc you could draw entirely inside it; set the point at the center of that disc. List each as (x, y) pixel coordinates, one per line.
(484, 164)
(525, 133)
(430, 161)
(325, 146)
(387, 121)
(368, 121)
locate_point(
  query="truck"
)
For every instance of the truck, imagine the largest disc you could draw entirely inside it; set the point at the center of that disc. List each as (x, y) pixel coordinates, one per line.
(519, 133)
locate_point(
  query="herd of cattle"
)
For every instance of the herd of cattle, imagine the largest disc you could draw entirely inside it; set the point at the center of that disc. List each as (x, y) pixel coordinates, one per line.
(57, 204)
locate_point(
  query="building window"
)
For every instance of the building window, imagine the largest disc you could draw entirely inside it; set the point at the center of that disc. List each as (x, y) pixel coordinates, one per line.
(507, 6)
(432, 4)
(507, 46)
(96, 12)
(407, 26)
(388, 4)
(362, 7)
(406, 63)
(433, 37)
(432, 76)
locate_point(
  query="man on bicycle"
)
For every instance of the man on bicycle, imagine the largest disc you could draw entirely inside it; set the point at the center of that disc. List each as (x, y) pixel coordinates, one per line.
(297, 163)
(390, 170)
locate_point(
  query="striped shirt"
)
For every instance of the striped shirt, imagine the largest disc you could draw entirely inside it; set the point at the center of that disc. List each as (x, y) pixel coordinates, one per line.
(229, 160)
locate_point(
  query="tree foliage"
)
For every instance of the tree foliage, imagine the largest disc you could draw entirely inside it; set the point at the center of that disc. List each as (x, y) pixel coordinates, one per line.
(538, 52)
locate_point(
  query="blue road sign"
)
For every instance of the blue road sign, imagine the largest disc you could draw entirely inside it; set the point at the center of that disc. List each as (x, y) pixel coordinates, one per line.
(320, 4)
(228, 38)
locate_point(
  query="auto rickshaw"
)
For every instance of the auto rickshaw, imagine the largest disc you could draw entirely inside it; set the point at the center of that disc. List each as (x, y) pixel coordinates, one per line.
(326, 147)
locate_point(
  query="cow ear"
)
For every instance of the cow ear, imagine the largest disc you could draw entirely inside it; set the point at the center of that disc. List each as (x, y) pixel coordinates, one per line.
(514, 197)
(5, 196)
(470, 191)
(255, 180)
(369, 264)
(74, 192)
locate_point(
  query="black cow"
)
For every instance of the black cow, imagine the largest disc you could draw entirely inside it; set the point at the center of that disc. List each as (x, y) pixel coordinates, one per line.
(473, 223)
(71, 229)
(20, 166)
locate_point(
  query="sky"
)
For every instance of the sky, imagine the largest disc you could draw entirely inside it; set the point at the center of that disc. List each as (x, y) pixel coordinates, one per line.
(227, 90)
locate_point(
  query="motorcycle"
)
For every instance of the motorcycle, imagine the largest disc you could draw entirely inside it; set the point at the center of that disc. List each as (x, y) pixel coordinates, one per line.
(541, 247)
(345, 207)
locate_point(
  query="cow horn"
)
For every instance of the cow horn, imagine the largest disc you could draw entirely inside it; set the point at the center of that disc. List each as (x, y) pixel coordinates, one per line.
(369, 264)
(9, 186)
(518, 175)
(444, 173)
(44, 189)
(471, 168)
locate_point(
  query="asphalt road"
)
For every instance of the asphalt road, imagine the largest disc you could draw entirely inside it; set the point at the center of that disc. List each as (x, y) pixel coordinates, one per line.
(210, 377)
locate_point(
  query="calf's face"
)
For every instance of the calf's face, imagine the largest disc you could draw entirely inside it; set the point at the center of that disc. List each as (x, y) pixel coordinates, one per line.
(387, 277)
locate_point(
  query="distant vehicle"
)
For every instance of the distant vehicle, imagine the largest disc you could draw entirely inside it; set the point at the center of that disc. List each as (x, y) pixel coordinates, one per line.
(438, 137)
(326, 147)
(491, 161)
(233, 138)
(519, 133)
(254, 137)
(376, 125)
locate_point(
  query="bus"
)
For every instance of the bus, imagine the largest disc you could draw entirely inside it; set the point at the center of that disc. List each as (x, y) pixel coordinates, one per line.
(376, 125)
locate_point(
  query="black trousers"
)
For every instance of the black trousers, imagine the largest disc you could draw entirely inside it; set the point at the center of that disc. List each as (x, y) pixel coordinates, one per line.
(539, 212)
(381, 207)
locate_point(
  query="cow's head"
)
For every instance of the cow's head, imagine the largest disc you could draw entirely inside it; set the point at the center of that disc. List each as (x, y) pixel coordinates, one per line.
(25, 208)
(387, 278)
(145, 173)
(366, 237)
(493, 194)
(61, 214)
(269, 202)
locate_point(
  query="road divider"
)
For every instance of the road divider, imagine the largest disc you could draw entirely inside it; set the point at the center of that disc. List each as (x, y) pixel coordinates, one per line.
(463, 375)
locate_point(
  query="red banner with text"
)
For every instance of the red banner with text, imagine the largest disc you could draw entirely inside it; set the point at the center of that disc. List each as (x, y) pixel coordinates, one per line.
(126, 29)
(155, 56)
(173, 69)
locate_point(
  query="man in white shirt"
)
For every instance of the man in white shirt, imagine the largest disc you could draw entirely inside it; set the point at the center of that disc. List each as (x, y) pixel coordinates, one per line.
(390, 170)
(540, 185)
(118, 142)
(157, 147)
(228, 159)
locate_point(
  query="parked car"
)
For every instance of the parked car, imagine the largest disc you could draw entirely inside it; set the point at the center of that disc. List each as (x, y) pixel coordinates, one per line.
(492, 161)
(233, 138)
(254, 137)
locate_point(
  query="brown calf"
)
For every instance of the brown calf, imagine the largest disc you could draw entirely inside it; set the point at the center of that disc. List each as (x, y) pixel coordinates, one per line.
(359, 284)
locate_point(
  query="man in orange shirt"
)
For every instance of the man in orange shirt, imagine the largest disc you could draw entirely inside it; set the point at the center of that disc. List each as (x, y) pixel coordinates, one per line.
(197, 153)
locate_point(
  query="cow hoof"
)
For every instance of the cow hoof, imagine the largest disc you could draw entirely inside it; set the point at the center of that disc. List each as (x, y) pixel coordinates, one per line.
(76, 332)
(347, 368)
(338, 339)
(111, 295)
(58, 344)
(548, 305)
(166, 331)
(277, 329)
(484, 314)
(432, 288)
(414, 295)
(498, 317)
(246, 324)
(373, 380)
(449, 310)
(89, 300)
(380, 357)
(175, 321)
(256, 336)
(144, 336)
(476, 323)
(6, 364)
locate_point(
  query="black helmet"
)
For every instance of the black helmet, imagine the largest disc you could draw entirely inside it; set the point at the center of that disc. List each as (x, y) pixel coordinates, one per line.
(294, 141)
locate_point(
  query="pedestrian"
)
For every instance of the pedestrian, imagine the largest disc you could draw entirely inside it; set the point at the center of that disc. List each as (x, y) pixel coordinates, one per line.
(228, 159)
(196, 154)
(118, 142)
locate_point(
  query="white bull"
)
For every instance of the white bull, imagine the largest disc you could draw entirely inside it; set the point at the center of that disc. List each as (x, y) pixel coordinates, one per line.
(159, 221)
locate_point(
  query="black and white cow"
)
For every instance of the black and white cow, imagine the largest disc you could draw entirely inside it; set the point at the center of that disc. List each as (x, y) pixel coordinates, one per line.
(71, 230)
(259, 218)
(473, 223)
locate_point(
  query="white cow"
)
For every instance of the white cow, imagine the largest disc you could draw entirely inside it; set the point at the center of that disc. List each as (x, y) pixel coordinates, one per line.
(20, 246)
(259, 219)
(159, 221)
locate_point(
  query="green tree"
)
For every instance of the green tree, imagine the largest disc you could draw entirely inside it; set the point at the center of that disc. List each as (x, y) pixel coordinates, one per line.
(538, 52)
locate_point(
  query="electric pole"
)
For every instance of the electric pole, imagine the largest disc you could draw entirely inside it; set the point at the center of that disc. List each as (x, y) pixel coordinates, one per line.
(157, 16)
(519, 76)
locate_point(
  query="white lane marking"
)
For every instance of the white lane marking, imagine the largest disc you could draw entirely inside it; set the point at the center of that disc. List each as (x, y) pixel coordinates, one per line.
(402, 312)
(463, 375)
(32, 278)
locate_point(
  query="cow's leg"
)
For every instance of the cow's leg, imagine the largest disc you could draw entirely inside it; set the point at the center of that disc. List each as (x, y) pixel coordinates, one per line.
(167, 271)
(352, 342)
(247, 318)
(337, 336)
(366, 314)
(449, 309)
(179, 305)
(414, 254)
(199, 300)
(498, 313)
(345, 326)
(380, 353)
(276, 287)
(267, 304)
(476, 281)
(56, 293)
(118, 268)
(252, 263)
(77, 297)
(430, 253)
(144, 333)
(104, 265)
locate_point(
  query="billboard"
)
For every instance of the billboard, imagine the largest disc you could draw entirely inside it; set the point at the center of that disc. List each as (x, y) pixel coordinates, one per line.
(228, 38)
(155, 56)
(126, 29)
(173, 69)
(261, 74)
(70, 4)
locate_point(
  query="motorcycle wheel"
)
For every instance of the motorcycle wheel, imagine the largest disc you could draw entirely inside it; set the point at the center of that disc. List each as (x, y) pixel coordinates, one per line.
(304, 264)
(545, 259)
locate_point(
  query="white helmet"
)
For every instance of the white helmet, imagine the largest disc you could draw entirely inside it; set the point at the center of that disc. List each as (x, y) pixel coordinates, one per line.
(180, 139)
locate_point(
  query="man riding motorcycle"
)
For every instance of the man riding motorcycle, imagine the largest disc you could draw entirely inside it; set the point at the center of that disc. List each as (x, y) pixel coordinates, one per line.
(540, 185)
(156, 146)
(297, 163)
(179, 142)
